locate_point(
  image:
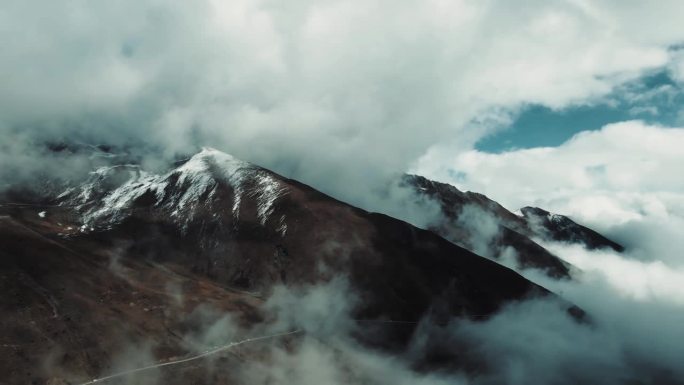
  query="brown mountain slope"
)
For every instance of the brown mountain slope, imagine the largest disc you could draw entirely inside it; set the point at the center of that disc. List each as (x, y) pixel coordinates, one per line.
(132, 259)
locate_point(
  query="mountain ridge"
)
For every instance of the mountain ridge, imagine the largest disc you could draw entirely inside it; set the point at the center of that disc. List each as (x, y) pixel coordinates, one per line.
(511, 230)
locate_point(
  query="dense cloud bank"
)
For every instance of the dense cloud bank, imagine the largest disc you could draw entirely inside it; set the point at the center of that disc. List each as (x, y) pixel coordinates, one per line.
(341, 95)
(626, 340)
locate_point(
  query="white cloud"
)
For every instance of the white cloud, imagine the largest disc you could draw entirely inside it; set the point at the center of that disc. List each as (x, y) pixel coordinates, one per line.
(621, 180)
(635, 305)
(640, 281)
(306, 87)
(632, 333)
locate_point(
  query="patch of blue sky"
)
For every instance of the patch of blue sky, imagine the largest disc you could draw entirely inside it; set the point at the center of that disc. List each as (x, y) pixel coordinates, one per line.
(655, 99)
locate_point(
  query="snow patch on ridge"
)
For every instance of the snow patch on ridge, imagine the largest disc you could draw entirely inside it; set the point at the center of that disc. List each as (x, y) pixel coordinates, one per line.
(555, 218)
(282, 226)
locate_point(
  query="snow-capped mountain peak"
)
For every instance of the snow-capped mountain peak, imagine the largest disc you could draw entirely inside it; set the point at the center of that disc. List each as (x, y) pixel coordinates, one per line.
(112, 192)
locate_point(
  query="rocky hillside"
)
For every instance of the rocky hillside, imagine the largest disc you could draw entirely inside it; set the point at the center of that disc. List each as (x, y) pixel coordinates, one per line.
(131, 258)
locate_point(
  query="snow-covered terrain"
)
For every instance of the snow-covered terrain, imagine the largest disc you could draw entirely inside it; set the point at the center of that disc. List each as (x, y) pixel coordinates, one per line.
(112, 192)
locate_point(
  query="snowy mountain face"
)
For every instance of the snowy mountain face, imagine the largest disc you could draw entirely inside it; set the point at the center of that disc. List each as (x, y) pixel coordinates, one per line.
(182, 195)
